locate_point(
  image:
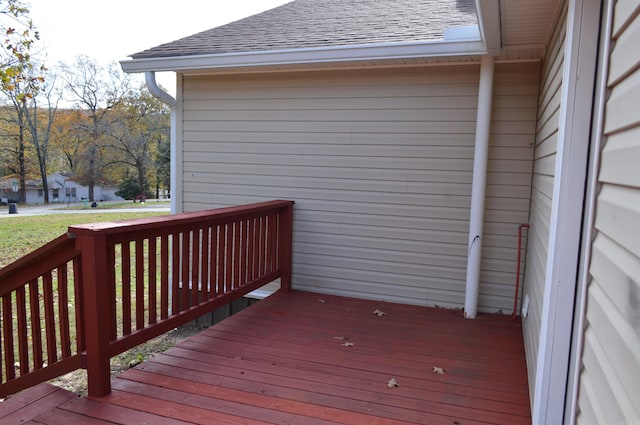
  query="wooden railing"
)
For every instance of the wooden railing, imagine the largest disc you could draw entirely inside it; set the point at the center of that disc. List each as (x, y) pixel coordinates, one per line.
(144, 277)
(37, 326)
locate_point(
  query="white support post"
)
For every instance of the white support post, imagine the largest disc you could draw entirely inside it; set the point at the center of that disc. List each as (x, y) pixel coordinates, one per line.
(480, 157)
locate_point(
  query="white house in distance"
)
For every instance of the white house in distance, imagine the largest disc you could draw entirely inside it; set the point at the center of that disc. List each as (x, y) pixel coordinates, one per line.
(417, 137)
(62, 189)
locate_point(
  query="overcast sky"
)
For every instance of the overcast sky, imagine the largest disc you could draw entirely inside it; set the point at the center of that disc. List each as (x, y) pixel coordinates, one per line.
(111, 30)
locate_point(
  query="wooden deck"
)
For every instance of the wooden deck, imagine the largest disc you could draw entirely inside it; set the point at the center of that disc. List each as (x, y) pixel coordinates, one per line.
(285, 360)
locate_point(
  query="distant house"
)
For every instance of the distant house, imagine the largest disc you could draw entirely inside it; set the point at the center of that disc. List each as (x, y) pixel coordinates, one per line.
(417, 137)
(62, 188)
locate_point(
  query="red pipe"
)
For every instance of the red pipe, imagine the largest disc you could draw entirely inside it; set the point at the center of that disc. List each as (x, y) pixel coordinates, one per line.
(515, 298)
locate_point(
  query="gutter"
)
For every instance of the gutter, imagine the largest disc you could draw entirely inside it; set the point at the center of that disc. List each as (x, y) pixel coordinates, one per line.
(356, 53)
(164, 97)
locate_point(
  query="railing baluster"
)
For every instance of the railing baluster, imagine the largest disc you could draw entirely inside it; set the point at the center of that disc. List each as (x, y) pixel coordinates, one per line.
(110, 289)
(79, 305)
(164, 277)
(215, 271)
(236, 254)
(185, 257)
(152, 273)
(251, 236)
(7, 319)
(228, 255)
(140, 310)
(36, 327)
(63, 311)
(261, 245)
(244, 254)
(205, 272)
(23, 348)
(125, 256)
(195, 267)
(175, 273)
(49, 318)
(222, 259)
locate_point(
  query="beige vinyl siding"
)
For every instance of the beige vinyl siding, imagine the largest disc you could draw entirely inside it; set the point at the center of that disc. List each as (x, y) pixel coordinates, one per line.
(610, 377)
(508, 180)
(549, 104)
(379, 164)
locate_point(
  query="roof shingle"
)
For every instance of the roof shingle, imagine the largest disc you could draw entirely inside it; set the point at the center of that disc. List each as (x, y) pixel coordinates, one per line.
(304, 24)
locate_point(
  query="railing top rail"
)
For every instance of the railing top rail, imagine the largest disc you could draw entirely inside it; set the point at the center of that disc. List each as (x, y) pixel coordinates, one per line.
(112, 227)
(37, 257)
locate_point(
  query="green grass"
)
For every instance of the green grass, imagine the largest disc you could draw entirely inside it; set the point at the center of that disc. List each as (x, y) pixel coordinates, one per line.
(21, 235)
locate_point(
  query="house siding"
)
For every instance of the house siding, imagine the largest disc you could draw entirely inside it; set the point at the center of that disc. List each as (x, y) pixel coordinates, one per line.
(610, 376)
(380, 166)
(549, 104)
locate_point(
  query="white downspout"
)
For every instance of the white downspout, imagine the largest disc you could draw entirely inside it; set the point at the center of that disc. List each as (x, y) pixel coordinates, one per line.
(480, 156)
(150, 80)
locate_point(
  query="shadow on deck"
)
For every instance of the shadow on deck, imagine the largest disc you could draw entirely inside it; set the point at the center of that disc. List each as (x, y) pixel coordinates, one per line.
(289, 359)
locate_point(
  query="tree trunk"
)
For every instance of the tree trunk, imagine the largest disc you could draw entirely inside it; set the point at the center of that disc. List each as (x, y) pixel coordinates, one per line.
(22, 169)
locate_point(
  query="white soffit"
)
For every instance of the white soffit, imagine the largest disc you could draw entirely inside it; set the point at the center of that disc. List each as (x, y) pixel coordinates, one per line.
(527, 22)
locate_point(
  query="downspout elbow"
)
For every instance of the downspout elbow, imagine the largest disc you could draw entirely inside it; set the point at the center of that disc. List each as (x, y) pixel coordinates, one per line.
(152, 85)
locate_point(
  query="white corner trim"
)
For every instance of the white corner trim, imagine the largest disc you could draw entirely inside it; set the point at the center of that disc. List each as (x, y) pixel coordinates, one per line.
(566, 212)
(590, 208)
(306, 56)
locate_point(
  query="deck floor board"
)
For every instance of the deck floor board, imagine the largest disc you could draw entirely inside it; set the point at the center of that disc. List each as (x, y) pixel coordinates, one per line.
(282, 361)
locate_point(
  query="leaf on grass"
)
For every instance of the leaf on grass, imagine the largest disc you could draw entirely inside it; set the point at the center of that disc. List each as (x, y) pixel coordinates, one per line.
(347, 344)
(392, 383)
(379, 313)
(438, 370)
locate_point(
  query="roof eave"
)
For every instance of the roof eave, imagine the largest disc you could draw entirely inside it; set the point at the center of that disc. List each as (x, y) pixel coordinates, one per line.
(368, 52)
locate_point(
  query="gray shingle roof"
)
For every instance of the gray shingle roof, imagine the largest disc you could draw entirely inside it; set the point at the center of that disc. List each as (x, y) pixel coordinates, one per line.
(303, 24)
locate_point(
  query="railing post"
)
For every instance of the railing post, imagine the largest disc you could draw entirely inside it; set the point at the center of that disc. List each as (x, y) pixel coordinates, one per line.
(285, 247)
(95, 272)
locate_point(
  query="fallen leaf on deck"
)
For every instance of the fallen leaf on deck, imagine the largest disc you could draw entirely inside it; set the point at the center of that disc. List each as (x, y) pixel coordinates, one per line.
(341, 338)
(320, 300)
(392, 383)
(347, 344)
(379, 313)
(438, 370)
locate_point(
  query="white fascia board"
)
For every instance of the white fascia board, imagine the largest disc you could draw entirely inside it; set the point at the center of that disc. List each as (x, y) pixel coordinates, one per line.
(370, 52)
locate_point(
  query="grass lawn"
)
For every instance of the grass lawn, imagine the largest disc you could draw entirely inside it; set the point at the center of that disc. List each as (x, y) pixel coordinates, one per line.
(22, 234)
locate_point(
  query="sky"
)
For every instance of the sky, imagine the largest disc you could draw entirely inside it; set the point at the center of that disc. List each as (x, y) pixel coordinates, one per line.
(110, 30)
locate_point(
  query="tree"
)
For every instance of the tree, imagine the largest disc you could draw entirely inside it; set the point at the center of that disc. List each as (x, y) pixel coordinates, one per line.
(40, 122)
(129, 188)
(67, 137)
(20, 89)
(139, 125)
(162, 162)
(17, 76)
(19, 37)
(95, 90)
